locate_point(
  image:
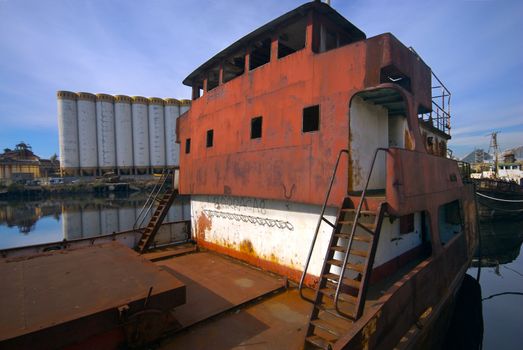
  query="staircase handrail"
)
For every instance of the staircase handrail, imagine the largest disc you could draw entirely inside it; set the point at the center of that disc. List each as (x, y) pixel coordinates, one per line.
(354, 225)
(321, 218)
(153, 196)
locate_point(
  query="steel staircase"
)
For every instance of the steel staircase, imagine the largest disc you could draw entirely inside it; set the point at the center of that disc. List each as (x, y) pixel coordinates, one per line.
(164, 196)
(341, 291)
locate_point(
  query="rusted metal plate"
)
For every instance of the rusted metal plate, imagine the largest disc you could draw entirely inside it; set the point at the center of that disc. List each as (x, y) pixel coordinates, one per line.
(74, 294)
(216, 284)
(279, 322)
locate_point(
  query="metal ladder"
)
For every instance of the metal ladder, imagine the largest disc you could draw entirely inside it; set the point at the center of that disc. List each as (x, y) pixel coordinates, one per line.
(162, 195)
(340, 294)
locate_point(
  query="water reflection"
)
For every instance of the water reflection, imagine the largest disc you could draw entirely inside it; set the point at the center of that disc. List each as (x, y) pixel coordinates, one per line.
(501, 276)
(75, 218)
(500, 243)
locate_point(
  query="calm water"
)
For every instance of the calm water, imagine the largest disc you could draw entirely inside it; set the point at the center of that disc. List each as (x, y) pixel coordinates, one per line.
(501, 272)
(31, 222)
(26, 223)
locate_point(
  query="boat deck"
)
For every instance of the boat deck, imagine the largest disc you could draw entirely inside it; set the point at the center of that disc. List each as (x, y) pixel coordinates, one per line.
(61, 297)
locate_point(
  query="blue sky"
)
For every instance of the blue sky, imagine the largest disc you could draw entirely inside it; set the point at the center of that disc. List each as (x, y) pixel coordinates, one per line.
(148, 47)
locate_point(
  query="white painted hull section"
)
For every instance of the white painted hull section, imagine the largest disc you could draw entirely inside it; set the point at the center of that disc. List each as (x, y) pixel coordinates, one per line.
(282, 232)
(278, 231)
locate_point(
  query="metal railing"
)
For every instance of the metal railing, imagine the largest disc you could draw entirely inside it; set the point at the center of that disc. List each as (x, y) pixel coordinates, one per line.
(439, 116)
(157, 190)
(353, 230)
(322, 218)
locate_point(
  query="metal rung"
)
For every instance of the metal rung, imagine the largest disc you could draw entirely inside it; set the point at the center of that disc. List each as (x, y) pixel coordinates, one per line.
(327, 327)
(319, 342)
(346, 281)
(355, 267)
(360, 238)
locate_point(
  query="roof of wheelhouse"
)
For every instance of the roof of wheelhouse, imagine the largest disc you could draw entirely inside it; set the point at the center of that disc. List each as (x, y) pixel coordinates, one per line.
(298, 12)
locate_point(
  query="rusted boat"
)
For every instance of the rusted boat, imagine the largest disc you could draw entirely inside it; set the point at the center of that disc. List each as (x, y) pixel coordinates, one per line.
(317, 153)
(323, 207)
(499, 199)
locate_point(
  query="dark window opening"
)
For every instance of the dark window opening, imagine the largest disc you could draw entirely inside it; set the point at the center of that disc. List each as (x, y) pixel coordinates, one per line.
(213, 78)
(187, 146)
(260, 54)
(256, 128)
(233, 66)
(450, 221)
(406, 223)
(331, 41)
(210, 137)
(311, 118)
(197, 90)
(292, 38)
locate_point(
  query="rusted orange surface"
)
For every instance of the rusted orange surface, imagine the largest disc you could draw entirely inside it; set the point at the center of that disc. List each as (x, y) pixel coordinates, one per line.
(60, 298)
(285, 157)
(279, 322)
(265, 263)
(216, 284)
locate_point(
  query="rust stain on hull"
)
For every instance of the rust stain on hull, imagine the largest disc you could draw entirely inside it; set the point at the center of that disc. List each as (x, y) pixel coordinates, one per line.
(203, 224)
(254, 259)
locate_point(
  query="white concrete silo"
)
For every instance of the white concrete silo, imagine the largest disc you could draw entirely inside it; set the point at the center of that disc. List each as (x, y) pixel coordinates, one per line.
(68, 133)
(157, 133)
(87, 133)
(140, 134)
(172, 149)
(185, 105)
(124, 133)
(105, 133)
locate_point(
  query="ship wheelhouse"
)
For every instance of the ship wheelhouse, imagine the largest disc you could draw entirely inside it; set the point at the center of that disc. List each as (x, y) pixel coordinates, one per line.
(306, 116)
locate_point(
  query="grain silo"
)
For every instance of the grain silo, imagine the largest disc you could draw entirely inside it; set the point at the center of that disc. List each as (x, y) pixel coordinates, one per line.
(184, 106)
(172, 149)
(87, 133)
(124, 134)
(140, 135)
(105, 133)
(68, 133)
(156, 133)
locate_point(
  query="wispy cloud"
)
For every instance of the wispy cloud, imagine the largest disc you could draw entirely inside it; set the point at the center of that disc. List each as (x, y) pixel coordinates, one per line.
(147, 48)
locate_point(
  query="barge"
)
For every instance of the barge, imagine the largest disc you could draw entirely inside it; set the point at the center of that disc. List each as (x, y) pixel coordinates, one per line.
(323, 207)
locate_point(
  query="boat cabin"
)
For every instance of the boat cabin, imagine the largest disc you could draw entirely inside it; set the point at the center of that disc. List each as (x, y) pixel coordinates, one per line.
(320, 154)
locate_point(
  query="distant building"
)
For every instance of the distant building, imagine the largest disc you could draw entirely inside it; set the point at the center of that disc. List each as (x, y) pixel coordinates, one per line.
(21, 164)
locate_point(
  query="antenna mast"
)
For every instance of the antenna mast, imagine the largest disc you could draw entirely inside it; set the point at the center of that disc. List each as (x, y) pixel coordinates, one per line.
(495, 148)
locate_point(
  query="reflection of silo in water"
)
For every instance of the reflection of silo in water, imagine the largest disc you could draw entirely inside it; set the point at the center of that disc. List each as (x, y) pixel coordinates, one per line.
(126, 217)
(144, 216)
(108, 220)
(175, 212)
(91, 222)
(71, 224)
(186, 209)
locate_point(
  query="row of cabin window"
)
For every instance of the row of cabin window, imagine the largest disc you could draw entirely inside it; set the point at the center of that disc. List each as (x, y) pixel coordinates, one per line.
(290, 40)
(310, 123)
